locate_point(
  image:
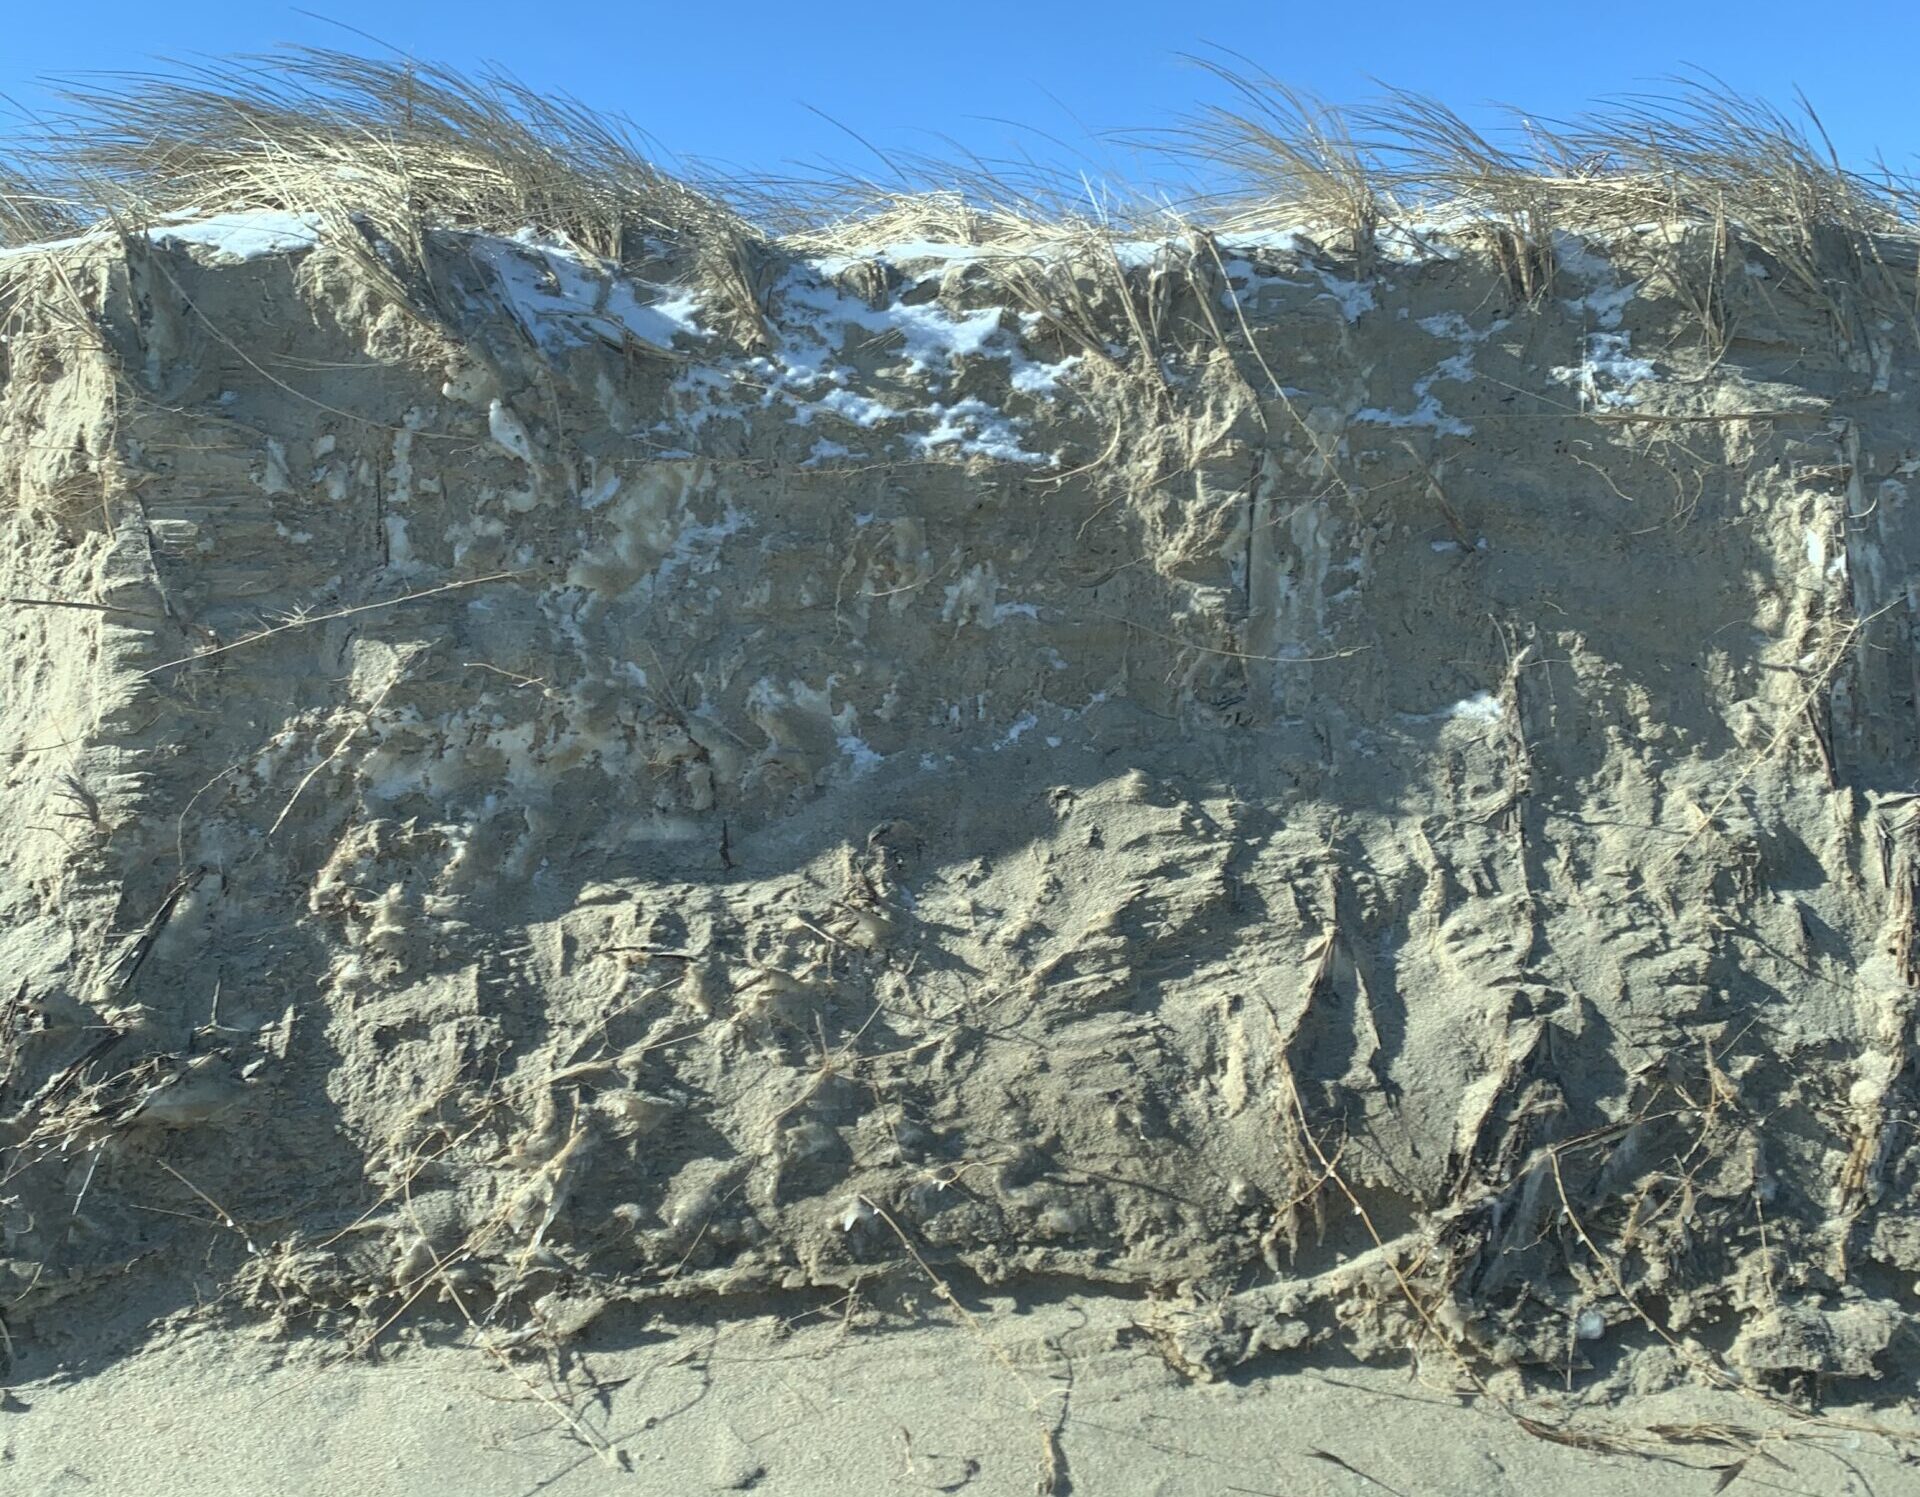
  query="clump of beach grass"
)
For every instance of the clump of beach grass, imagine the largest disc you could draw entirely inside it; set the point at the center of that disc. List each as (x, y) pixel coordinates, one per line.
(384, 151)
(1286, 150)
(1699, 154)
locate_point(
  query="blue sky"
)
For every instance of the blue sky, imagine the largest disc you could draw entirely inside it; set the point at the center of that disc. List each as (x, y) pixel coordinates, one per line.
(731, 80)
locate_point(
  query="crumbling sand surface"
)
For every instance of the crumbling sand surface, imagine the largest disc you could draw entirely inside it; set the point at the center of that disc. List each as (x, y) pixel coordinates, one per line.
(1064, 1401)
(1321, 812)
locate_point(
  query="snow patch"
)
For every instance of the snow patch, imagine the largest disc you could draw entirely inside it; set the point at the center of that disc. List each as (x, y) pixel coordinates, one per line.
(1607, 373)
(1427, 410)
(976, 429)
(1481, 707)
(931, 335)
(1030, 378)
(1607, 299)
(1021, 725)
(862, 759)
(1353, 297)
(509, 432)
(860, 410)
(564, 299)
(235, 238)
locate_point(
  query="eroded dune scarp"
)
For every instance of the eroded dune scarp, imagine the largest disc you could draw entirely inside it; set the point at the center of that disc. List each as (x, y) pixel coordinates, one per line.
(1357, 791)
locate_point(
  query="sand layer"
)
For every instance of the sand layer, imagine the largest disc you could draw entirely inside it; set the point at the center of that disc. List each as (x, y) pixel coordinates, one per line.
(1352, 815)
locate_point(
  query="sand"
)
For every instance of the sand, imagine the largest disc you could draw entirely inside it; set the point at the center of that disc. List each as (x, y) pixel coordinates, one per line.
(945, 904)
(1057, 1396)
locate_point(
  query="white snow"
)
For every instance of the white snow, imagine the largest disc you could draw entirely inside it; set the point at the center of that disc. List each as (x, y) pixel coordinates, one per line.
(861, 410)
(1353, 297)
(1427, 410)
(1243, 276)
(1294, 239)
(1481, 707)
(1607, 300)
(696, 549)
(1418, 240)
(819, 330)
(509, 432)
(1022, 724)
(976, 429)
(564, 299)
(1030, 378)
(863, 760)
(932, 335)
(601, 492)
(234, 238)
(1426, 413)
(50, 246)
(1450, 325)
(1139, 254)
(824, 451)
(905, 252)
(399, 547)
(1607, 373)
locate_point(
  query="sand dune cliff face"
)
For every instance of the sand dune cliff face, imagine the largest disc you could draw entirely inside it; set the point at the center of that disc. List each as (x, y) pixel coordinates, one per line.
(1385, 815)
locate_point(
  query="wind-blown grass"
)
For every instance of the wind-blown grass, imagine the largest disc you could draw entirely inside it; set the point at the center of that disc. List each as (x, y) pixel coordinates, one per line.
(401, 142)
(1286, 150)
(1699, 154)
(29, 213)
(386, 152)
(383, 151)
